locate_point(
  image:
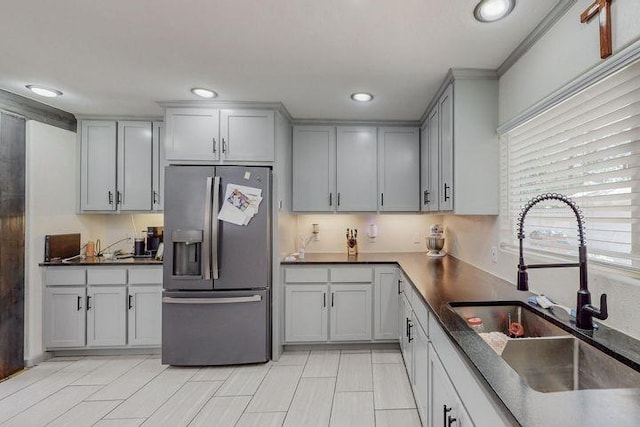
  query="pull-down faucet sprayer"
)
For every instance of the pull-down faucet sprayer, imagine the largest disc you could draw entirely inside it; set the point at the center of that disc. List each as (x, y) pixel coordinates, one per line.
(584, 310)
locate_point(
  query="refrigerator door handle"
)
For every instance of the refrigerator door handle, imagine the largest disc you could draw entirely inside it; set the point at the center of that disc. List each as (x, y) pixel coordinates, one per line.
(214, 225)
(232, 300)
(206, 258)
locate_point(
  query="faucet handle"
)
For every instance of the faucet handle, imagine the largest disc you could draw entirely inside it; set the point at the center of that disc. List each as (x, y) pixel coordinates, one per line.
(600, 313)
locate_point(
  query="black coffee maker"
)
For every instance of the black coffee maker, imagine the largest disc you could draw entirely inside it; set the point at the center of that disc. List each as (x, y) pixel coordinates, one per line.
(154, 238)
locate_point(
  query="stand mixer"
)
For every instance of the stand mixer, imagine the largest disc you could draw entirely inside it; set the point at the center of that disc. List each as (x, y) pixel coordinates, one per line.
(435, 241)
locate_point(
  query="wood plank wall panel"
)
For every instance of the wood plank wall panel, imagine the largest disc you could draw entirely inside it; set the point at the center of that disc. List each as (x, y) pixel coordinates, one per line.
(12, 210)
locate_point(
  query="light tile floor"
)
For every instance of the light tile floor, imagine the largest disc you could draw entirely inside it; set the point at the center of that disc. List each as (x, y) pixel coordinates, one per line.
(317, 388)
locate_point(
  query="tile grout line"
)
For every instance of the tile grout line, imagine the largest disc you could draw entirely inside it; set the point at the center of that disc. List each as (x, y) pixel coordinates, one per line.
(335, 384)
(297, 385)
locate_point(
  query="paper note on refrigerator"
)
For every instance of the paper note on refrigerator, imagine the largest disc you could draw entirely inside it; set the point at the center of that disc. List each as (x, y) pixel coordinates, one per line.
(240, 204)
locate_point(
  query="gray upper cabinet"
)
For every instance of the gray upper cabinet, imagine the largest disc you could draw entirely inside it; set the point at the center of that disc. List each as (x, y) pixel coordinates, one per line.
(118, 170)
(134, 166)
(445, 109)
(192, 134)
(462, 131)
(247, 135)
(158, 158)
(98, 160)
(356, 168)
(314, 168)
(399, 169)
(214, 135)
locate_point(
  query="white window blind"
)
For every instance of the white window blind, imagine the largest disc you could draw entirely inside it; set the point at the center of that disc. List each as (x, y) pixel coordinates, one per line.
(587, 148)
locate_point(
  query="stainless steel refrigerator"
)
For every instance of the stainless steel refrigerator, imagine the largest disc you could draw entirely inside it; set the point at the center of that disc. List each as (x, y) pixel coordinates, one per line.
(217, 275)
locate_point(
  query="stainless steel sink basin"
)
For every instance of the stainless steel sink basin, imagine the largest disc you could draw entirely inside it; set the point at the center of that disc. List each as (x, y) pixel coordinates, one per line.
(496, 318)
(548, 358)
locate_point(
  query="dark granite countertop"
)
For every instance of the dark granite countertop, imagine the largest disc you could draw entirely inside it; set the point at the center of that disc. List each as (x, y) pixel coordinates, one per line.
(101, 262)
(443, 280)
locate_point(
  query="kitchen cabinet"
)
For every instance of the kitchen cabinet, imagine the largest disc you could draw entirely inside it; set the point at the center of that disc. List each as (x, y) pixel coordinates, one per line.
(98, 165)
(335, 303)
(212, 135)
(95, 306)
(106, 316)
(406, 323)
(306, 313)
(192, 134)
(144, 305)
(387, 290)
(399, 169)
(116, 166)
(64, 317)
(356, 169)
(446, 408)
(314, 174)
(428, 184)
(350, 312)
(334, 169)
(247, 135)
(159, 162)
(462, 125)
(421, 375)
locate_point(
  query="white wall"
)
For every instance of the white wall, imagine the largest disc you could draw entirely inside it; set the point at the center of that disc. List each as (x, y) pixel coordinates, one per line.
(566, 51)
(51, 177)
(396, 233)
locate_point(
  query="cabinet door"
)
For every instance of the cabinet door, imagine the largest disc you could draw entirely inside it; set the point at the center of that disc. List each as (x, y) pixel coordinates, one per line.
(385, 312)
(145, 315)
(157, 167)
(314, 173)
(357, 169)
(98, 165)
(134, 166)
(64, 311)
(425, 167)
(247, 135)
(434, 160)
(106, 315)
(350, 312)
(445, 106)
(192, 134)
(399, 169)
(446, 408)
(406, 319)
(305, 308)
(421, 371)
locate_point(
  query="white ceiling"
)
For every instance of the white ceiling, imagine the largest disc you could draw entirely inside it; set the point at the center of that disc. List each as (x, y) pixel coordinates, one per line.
(119, 57)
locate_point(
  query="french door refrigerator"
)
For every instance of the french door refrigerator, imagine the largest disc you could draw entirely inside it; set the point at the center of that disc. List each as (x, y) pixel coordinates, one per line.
(217, 275)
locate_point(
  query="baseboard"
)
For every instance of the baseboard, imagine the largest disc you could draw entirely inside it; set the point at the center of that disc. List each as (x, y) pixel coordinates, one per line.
(28, 363)
(343, 346)
(105, 352)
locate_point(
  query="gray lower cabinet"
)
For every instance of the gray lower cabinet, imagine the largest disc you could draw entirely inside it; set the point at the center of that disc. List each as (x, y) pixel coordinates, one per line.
(350, 312)
(399, 169)
(420, 382)
(336, 303)
(144, 308)
(306, 313)
(64, 317)
(446, 407)
(106, 316)
(100, 307)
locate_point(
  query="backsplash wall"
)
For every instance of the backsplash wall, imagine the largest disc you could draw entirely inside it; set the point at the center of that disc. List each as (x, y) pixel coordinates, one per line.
(396, 232)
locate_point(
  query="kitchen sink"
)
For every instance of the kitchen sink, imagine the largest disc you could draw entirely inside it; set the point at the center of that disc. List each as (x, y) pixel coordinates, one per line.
(547, 357)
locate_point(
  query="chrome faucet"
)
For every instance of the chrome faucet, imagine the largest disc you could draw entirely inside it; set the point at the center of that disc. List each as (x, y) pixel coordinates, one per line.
(584, 310)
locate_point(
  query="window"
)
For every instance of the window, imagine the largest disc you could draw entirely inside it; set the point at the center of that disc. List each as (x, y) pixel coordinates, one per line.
(587, 148)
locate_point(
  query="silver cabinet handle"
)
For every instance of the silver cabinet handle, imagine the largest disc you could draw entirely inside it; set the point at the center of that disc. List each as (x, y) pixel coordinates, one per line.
(214, 226)
(110, 197)
(215, 150)
(224, 146)
(232, 300)
(119, 197)
(206, 240)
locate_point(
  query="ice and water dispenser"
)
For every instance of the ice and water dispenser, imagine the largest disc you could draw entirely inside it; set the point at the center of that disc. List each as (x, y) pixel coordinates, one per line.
(187, 252)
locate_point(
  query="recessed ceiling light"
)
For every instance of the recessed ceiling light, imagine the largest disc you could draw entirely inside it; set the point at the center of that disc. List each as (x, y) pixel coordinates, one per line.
(43, 91)
(493, 10)
(203, 93)
(361, 97)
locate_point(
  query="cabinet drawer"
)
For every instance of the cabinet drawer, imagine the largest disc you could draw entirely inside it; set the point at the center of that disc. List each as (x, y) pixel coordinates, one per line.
(106, 276)
(306, 275)
(422, 314)
(65, 276)
(145, 275)
(352, 275)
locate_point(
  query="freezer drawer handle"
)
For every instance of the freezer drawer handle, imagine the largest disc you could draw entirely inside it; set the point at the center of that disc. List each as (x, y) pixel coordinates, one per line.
(233, 300)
